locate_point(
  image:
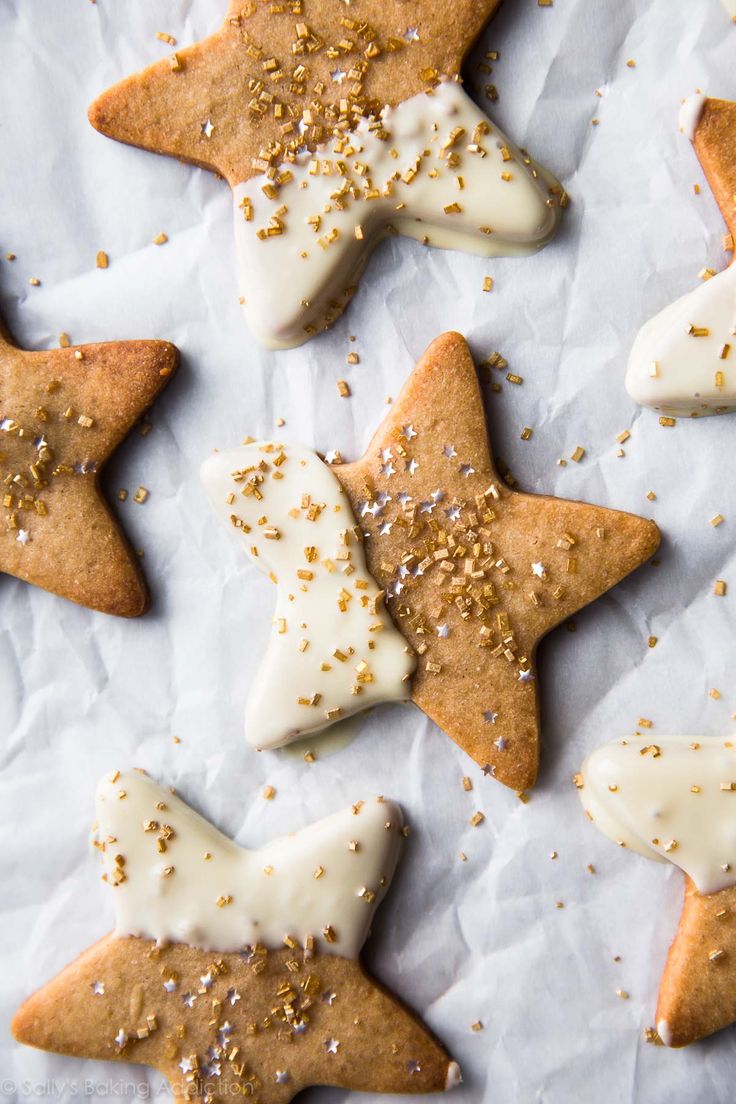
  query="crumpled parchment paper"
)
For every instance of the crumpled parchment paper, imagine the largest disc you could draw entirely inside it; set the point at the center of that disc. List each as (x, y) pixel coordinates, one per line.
(82, 694)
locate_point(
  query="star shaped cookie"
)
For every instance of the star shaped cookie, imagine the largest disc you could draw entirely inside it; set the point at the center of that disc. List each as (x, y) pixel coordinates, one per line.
(476, 573)
(63, 412)
(244, 979)
(335, 125)
(682, 361)
(671, 799)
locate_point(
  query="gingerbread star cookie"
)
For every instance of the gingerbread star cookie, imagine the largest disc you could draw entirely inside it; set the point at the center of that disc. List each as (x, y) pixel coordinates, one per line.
(683, 362)
(236, 973)
(334, 126)
(473, 573)
(62, 414)
(673, 801)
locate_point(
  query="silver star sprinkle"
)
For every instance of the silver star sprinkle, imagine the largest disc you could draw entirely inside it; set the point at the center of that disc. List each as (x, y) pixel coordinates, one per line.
(233, 996)
(490, 717)
(449, 451)
(170, 985)
(23, 536)
(98, 988)
(331, 1045)
(467, 469)
(443, 631)
(539, 570)
(453, 513)
(329, 997)
(338, 75)
(282, 1076)
(206, 980)
(408, 432)
(207, 127)
(186, 1065)
(412, 465)
(411, 34)
(501, 744)
(526, 676)
(413, 1066)
(189, 999)
(121, 1038)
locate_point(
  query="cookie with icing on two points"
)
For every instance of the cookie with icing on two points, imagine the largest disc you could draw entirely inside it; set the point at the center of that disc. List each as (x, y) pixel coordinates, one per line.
(334, 127)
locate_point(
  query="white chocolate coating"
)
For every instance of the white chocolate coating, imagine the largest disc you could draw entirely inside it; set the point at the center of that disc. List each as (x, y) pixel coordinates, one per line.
(669, 798)
(690, 111)
(679, 373)
(682, 362)
(334, 650)
(431, 152)
(269, 893)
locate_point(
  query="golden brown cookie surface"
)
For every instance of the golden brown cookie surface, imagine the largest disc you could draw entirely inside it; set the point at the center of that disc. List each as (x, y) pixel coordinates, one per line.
(62, 414)
(697, 995)
(476, 573)
(253, 78)
(715, 145)
(261, 1025)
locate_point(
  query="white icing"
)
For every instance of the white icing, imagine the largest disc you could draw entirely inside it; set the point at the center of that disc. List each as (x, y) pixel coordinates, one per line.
(681, 374)
(690, 111)
(663, 1030)
(182, 906)
(454, 1076)
(287, 296)
(645, 801)
(354, 656)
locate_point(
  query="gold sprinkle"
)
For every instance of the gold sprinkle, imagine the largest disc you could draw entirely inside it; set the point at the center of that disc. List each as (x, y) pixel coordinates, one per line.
(329, 934)
(622, 994)
(715, 694)
(467, 784)
(353, 358)
(141, 495)
(717, 520)
(162, 36)
(578, 454)
(343, 389)
(488, 283)
(269, 793)
(720, 588)
(34, 281)
(477, 1026)
(716, 955)
(102, 260)
(526, 433)
(161, 239)
(477, 819)
(64, 341)
(667, 421)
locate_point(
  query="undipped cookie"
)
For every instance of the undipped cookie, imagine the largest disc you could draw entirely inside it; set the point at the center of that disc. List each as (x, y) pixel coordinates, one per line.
(673, 800)
(683, 362)
(474, 573)
(63, 412)
(335, 126)
(236, 973)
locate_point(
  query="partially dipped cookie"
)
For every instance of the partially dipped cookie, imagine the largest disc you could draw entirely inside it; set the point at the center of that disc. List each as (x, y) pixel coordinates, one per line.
(672, 800)
(683, 361)
(334, 127)
(236, 973)
(473, 573)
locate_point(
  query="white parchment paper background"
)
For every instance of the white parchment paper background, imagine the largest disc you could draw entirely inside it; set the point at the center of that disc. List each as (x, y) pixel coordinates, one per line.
(81, 694)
